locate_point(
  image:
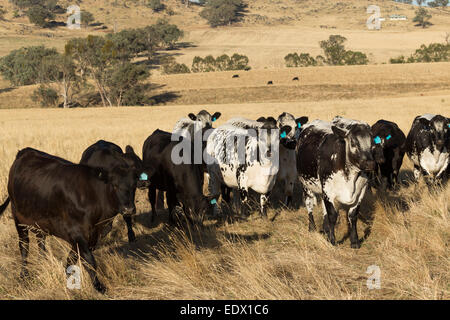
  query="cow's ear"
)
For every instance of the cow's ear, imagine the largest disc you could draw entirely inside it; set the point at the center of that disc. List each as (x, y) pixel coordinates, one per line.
(271, 119)
(284, 131)
(215, 116)
(192, 116)
(129, 149)
(424, 122)
(261, 119)
(301, 121)
(339, 132)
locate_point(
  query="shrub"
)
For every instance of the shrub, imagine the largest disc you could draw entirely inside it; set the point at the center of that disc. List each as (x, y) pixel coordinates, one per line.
(86, 18)
(422, 17)
(400, 59)
(39, 15)
(221, 63)
(22, 66)
(2, 13)
(155, 5)
(355, 58)
(170, 66)
(222, 12)
(302, 60)
(45, 96)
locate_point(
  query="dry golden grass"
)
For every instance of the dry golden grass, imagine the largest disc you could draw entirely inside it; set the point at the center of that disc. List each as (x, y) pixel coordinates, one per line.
(406, 234)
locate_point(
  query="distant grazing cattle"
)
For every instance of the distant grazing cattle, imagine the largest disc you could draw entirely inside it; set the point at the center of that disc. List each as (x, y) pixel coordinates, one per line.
(333, 161)
(287, 173)
(242, 156)
(66, 200)
(183, 183)
(295, 79)
(235, 76)
(270, 82)
(203, 120)
(107, 155)
(389, 136)
(428, 145)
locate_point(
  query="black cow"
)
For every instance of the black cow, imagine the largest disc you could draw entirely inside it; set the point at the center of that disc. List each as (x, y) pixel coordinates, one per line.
(270, 82)
(295, 79)
(67, 200)
(333, 162)
(391, 138)
(428, 145)
(235, 76)
(107, 155)
(182, 182)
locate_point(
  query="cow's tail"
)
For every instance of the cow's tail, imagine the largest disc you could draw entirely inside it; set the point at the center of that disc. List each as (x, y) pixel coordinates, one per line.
(3, 206)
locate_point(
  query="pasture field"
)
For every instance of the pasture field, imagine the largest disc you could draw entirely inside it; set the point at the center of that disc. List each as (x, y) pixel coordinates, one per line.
(406, 233)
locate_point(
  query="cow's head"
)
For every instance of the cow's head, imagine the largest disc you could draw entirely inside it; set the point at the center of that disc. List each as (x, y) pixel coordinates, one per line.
(287, 119)
(359, 145)
(123, 183)
(269, 132)
(204, 118)
(134, 163)
(436, 131)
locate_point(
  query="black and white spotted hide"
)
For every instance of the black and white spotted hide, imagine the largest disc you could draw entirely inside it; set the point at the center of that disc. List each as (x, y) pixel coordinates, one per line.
(243, 155)
(333, 162)
(202, 121)
(428, 146)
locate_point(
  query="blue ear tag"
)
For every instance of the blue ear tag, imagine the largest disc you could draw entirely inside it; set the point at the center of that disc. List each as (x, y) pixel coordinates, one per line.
(143, 177)
(213, 201)
(214, 119)
(299, 125)
(377, 140)
(388, 137)
(283, 135)
(449, 125)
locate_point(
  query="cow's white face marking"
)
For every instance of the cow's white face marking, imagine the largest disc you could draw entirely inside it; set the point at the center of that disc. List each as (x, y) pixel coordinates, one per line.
(434, 163)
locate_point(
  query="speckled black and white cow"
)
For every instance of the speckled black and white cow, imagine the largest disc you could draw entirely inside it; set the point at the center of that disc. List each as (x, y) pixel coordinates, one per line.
(333, 161)
(391, 138)
(244, 156)
(287, 174)
(186, 126)
(428, 145)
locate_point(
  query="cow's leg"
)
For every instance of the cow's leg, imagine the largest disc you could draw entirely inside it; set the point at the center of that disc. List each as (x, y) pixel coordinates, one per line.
(40, 236)
(309, 202)
(87, 255)
(214, 190)
(152, 199)
(353, 218)
(24, 242)
(243, 192)
(263, 202)
(417, 172)
(72, 257)
(329, 220)
(171, 204)
(128, 221)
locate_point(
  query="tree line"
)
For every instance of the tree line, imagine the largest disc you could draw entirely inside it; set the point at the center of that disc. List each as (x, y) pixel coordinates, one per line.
(106, 63)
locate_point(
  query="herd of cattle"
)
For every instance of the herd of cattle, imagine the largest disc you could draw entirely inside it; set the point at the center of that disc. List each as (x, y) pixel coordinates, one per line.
(334, 162)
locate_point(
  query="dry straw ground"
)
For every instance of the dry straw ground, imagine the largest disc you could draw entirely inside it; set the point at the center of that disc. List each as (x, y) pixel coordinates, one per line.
(406, 233)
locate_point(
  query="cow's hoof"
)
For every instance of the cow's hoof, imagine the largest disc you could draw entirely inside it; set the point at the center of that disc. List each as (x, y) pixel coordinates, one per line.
(99, 287)
(131, 238)
(355, 245)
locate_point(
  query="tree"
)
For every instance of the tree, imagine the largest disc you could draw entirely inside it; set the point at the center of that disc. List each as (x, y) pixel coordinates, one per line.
(170, 66)
(61, 70)
(2, 13)
(39, 15)
(94, 56)
(438, 3)
(334, 49)
(123, 83)
(355, 58)
(167, 33)
(222, 12)
(155, 5)
(22, 66)
(422, 17)
(45, 95)
(86, 18)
